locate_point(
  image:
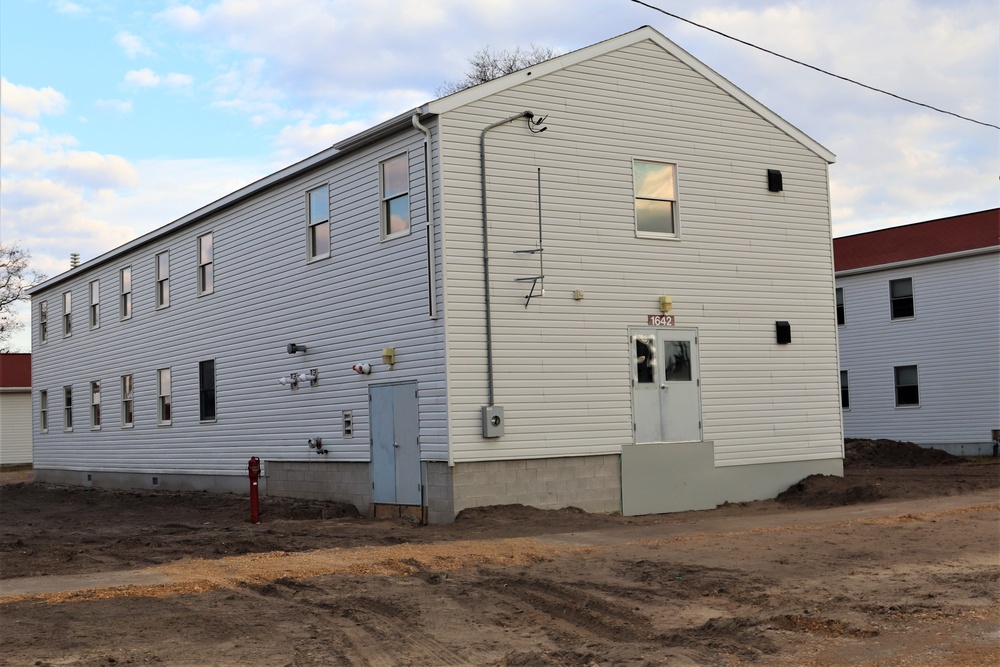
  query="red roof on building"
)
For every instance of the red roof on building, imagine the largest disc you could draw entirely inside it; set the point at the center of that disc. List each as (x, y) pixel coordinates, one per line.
(15, 369)
(922, 239)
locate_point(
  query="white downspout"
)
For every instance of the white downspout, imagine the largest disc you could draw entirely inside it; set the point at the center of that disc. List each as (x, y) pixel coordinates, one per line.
(429, 213)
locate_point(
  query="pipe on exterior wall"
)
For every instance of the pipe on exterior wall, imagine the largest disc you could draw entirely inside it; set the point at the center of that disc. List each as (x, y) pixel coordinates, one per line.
(486, 246)
(429, 213)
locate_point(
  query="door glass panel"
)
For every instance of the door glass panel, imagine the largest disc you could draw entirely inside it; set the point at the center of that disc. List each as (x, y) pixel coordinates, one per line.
(645, 365)
(678, 360)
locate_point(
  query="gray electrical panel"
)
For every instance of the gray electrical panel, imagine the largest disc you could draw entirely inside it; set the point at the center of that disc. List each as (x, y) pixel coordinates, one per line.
(492, 421)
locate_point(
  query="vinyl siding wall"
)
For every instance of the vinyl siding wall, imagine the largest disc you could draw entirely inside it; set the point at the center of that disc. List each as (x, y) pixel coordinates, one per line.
(953, 339)
(747, 257)
(368, 295)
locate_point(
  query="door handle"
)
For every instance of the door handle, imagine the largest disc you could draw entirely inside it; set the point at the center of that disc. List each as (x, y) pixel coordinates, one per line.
(664, 386)
(395, 444)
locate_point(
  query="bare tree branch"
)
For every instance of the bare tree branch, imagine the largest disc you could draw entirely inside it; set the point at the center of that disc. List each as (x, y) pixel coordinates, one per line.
(16, 278)
(487, 64)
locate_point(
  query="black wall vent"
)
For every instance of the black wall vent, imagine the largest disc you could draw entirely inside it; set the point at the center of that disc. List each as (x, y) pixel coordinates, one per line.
(774, 180)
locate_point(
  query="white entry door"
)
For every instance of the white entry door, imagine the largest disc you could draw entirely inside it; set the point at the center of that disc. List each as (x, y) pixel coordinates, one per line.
(666, 402)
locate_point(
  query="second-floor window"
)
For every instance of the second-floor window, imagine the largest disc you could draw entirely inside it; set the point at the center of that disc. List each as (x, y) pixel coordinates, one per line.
(395, 195)
(163, 280)
(43, 321)
(901, 298)
(655, 198)
(318, 223)
(841, 313)
(95, 404)
(206, 264)
(125, 293)
(95, 304)
(67, 314)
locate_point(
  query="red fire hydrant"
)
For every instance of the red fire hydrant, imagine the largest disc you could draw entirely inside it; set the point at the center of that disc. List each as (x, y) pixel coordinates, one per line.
(253, 467)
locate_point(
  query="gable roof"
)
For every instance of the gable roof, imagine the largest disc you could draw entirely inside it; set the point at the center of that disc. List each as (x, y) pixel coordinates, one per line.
(436, 107)
(15, 370)
(920, 240)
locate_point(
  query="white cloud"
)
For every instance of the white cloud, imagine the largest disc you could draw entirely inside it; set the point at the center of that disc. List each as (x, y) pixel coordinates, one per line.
(29, 102)
(184, 17)
(131, 44)
(67, 7)
(121, 106)
(143, 78)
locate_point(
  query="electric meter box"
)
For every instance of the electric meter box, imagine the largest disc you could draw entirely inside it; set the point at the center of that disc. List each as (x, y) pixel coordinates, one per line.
(492, 421)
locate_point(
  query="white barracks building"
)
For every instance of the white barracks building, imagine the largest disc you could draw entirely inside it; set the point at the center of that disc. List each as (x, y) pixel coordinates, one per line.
(605, 281)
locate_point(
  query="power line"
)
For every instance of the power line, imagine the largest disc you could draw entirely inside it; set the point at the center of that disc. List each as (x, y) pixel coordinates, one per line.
(813, 67)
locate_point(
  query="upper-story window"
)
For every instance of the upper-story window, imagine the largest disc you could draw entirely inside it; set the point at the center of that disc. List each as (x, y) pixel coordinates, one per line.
(67, 314)
(125, 293)
(318, 223)
(841, 313)
(206, 264)
(95, 404)
(43, 411)
(395, 196)
(163, 280)
(655, 198)
(901, 298)
(43, 321)
(95, 304)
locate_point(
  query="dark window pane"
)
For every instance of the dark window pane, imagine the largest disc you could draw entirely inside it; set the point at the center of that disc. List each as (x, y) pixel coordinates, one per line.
(644, 364)
(654, 216)
(678, 360)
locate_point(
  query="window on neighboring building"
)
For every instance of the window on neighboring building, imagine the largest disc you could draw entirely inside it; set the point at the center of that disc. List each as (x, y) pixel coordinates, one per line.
(318, 222)
(95, 404)
(901, 297)
(67, 314)
(841, 314)
(43, 411)
(128, 412)
(845, 391)
(163, 411)
(163, 280)
(43, 321)
(125, 293)
(395, 185)
(655, 198)
(95, 304)
(68, 408)
(206, 264)
(206, 390)
(907, 387)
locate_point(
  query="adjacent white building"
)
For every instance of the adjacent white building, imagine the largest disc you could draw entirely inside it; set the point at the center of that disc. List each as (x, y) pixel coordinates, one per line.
(15, 409)
(605, 281)
(918, 310)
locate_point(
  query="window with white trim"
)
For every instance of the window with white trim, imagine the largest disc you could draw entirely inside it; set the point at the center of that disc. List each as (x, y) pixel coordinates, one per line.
(67, 314)
(163, 279)
(128, 401)
(845, 391)
(206, 390)
(43, 411)
(43, 321)
(907, 386)
(95, 405)
(655, 198)
(163, 408)
(206, 264)
(68, 408)
(901, 298)
(95, 304)
(841, 313)
(394, 184)
(125, 293)
(318, 223)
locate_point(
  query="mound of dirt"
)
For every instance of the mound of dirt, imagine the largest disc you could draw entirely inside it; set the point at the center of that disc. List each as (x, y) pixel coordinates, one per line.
(894, 454)
(829, 491)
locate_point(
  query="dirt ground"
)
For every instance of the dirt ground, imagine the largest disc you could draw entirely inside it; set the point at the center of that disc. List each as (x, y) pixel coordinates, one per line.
(896, 563)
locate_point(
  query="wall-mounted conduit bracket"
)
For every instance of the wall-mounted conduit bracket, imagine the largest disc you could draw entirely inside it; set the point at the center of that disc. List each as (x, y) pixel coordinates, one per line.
(535, 251)
(534, 281)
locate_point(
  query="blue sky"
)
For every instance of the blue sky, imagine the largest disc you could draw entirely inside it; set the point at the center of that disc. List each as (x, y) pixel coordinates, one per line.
(120, 116)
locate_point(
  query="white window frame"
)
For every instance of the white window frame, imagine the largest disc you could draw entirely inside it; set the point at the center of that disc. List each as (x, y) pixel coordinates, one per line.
(67, 318)
(895, 387)
(201, 390)
(675, 202)
(206, 264)
(127, 384)
(94, 311)
(43, 322)
(913, 301)
(845, 385)
(384, 200)
(164, 404)
(43, 410)
(95, 405)
(317, 227)
(841, 307)
(68, 407)
(162, 279)
(125, 293)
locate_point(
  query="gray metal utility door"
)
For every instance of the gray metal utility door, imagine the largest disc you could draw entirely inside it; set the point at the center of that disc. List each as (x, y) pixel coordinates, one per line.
(666, 402)
(395, 446)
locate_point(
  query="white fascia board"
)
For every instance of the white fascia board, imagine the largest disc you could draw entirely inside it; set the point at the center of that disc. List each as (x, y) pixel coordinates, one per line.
(917, 260)
(470, 95)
